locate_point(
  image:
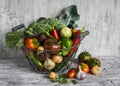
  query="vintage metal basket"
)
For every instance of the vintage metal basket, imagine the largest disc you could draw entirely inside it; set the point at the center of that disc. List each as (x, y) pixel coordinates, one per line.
(61, 67)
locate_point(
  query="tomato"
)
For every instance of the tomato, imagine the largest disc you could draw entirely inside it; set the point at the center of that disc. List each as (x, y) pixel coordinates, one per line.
(32, 43)
(95, 70)
(85, 68)
(71, 73)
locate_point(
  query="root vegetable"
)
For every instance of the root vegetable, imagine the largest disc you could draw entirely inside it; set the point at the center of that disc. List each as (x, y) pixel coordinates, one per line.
(49, 64)
(57, 58)
(42, 38)
(52, 75)
(80, 74)
(95, 70)
(40, 49)
(42, 56)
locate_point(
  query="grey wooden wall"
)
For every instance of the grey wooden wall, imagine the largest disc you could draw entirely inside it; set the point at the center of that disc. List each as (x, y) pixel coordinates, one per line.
(100, 17)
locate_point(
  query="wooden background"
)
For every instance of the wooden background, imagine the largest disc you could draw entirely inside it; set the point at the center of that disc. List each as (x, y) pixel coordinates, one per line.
(100, 17)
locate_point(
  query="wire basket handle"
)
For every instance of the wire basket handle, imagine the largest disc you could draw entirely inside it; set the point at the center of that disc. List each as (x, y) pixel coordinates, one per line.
(18, 27)
(82, 35)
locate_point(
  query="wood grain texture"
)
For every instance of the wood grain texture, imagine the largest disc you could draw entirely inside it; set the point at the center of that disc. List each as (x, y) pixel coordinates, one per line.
(100, 17)
(17, 72)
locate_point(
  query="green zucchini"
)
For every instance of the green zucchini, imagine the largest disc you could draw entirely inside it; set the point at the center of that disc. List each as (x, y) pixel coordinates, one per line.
(59, 66)
(33, 58)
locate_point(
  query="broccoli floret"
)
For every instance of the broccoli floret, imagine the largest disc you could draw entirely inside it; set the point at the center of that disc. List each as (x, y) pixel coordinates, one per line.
(54, 22)
(33, 25)
(43, 28)
(42, 20)
(44, 25)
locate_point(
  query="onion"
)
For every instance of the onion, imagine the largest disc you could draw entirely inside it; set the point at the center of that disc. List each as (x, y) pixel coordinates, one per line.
(57, 58)
(49, 64)
(40, 49)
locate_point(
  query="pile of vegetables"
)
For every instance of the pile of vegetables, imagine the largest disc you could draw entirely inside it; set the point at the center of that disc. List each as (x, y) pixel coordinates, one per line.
(86, 64)
(50, 43)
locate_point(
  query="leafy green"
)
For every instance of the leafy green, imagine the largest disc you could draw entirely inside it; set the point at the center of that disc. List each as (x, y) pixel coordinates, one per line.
(42, 20)
(74, 82)
(43, 25)
(54, 22)
(61, 78)
(60, 26)
(42, 28)
(69, 16)
(14, 39)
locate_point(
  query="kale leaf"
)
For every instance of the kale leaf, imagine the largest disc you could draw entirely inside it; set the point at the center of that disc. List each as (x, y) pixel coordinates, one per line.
(69, 16)
(14, 39)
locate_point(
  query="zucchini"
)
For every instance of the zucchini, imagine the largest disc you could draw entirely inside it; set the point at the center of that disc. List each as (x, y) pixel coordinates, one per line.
(59, 66)
(33, 58)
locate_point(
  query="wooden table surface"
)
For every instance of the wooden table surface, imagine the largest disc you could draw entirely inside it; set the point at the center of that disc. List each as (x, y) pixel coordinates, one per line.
(17, 72)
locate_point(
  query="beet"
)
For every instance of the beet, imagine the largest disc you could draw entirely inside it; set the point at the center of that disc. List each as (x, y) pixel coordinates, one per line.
(42, 37)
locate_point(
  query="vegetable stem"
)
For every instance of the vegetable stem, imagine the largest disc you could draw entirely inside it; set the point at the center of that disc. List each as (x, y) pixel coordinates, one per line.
(49, 35)
(68, 20)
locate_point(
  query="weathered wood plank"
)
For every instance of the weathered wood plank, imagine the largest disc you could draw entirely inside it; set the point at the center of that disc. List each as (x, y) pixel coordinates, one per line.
(17, 72)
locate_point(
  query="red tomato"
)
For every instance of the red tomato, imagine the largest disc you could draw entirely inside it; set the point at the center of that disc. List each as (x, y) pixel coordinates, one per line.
(84, 67)
(31, 43)
(71, 73)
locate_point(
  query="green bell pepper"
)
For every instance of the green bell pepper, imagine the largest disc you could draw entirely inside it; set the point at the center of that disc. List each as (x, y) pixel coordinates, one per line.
(66, 45)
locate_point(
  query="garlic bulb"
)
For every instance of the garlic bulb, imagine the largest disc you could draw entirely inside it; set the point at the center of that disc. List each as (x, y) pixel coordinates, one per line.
(80, 74)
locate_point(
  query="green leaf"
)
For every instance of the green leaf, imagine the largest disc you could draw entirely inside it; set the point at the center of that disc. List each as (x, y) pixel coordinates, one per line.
(69, 16)
(56, 80)
(74, 82)
(42, 19)
(63, 81)
(14, 39)
(61, 78)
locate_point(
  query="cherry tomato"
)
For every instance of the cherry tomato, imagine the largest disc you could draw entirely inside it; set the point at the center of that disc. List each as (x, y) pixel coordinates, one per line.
(31, 43)
(71, 73)
(85, 68)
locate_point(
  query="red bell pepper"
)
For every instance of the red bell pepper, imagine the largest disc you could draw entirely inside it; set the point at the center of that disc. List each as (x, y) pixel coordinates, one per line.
(76, 38)
(55, 34)
(32, 43)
